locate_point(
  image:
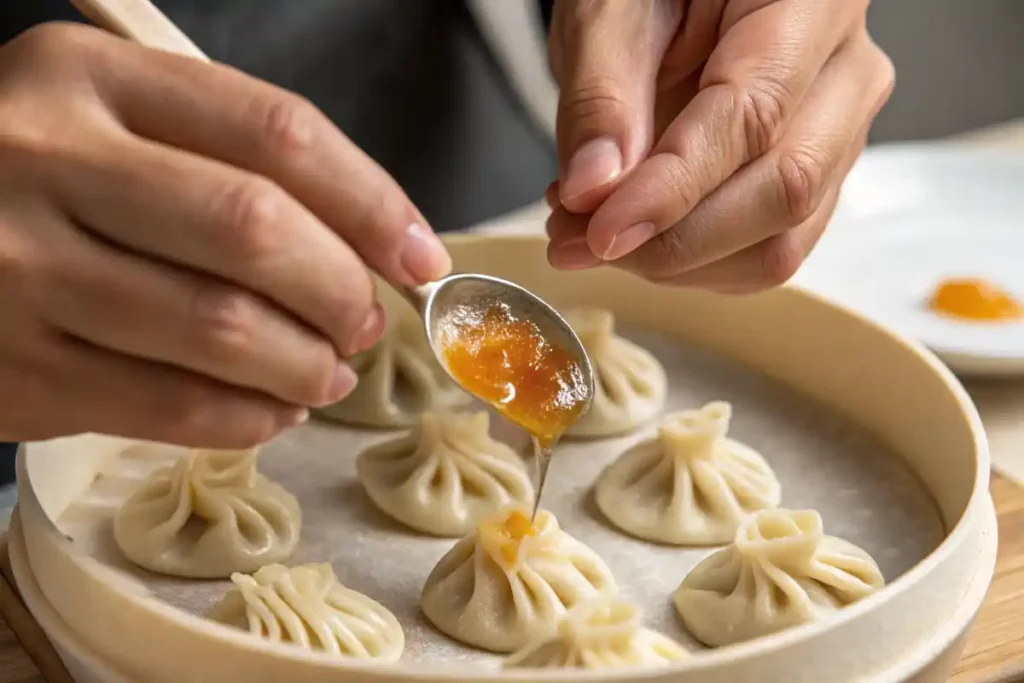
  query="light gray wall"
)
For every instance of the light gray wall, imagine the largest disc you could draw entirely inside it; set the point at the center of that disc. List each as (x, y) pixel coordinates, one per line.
(959, 65)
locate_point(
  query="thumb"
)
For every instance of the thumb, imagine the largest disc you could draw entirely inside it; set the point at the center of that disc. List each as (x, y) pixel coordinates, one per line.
(610, 54)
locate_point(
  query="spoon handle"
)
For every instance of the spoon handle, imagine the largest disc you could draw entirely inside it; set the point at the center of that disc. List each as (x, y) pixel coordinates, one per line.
(140, 21)
(420, 296)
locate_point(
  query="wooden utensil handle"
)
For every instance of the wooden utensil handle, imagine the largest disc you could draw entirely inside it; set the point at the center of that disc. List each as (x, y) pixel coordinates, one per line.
(140, 21)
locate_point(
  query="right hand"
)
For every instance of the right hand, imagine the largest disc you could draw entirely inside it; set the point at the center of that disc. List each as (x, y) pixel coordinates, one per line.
(184, 249)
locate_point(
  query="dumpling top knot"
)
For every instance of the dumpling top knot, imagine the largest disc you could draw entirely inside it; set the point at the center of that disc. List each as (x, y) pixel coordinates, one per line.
(504, 534)
(783, 537)
(696, 433)
(600, 623)
(601, 633)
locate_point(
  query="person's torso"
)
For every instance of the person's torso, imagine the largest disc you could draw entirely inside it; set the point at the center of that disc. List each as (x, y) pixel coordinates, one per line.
(410, 81)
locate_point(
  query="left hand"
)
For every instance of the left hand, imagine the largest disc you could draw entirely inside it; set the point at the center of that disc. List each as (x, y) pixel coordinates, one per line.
(704, 142)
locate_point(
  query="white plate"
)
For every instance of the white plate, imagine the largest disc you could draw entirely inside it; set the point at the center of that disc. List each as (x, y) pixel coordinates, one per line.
(913, 214)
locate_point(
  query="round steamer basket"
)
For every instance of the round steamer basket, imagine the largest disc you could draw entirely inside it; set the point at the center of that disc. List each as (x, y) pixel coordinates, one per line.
(911, 630)
(84, 665)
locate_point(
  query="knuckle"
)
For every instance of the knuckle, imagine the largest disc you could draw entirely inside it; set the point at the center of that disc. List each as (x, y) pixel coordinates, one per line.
(250, 216)
(764, 114)
(318, 380)
(593, 102)
(886, 71)
(258, 427)
(672, 252)
(224, 322)
(681, 182)
(781, 257)
(52, 40)
(801, 178)
(187, 410)
(289, 124)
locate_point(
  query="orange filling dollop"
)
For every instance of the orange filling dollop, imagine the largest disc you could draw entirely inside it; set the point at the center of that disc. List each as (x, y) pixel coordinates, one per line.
(508, 363)
(512, 531)
(974, 299)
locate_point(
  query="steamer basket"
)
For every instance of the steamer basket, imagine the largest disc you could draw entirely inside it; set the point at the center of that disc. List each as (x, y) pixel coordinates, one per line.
(909, 631)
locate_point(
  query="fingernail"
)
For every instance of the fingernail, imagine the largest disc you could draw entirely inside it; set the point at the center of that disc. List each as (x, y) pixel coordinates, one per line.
(297, 417)
(595, 164)
(345, 380)
(629, 240)
(423, 257)
(371, 331)
(573, 255)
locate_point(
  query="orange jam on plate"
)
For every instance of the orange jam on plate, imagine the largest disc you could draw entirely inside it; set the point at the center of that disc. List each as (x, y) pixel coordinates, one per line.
(974, 299)
(508, 363)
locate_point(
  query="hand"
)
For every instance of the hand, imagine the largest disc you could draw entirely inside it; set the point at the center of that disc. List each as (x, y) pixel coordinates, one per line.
(183, 248)
(704, 143)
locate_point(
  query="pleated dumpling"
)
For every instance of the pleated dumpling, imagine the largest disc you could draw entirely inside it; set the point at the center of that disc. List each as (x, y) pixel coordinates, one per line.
(629, 383)
(510, 580)
(689, 485)
(445, 474)
(781, 571)
(208, 515)
(307, 606)
(399, 378)
(604, 633)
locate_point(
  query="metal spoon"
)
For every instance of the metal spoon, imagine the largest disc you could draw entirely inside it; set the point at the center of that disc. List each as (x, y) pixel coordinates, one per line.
(444, 303)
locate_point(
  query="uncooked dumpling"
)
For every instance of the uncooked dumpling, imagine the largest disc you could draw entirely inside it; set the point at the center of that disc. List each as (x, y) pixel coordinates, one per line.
(208, 515)
(445, 474)
(690, 485)
(510, 580)
(308, 606)
(399, 378)
(604, 633)
(781, 571)
(629, 383)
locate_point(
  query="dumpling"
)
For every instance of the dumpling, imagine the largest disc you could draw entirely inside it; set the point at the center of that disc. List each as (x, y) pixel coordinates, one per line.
(781, 571)
(604, 633)
(629, 383)
(445, 474)
(208, 515)
(689, 485)
(399, 378)
(309, 607)
(510, 580)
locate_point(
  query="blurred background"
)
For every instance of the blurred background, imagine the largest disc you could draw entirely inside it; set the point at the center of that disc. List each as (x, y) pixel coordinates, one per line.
(959, 65)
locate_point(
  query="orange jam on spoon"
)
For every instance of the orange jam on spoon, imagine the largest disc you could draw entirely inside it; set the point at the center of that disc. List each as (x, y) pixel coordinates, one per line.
(508, 363)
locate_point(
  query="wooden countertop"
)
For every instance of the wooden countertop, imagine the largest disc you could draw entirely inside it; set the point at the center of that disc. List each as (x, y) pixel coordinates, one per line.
(995, 648)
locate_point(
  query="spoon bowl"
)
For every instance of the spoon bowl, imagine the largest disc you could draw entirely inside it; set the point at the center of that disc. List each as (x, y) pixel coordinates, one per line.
(445, 303)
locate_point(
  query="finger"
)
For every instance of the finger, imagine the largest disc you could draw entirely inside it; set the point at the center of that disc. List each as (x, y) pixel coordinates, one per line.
(783, 188)
(773, 261)
(127, 304)
(214, 218)
(219, 112)
(132, 398)
(568, 248)
(609, 60)
(753, 83)
(769, 263)
(551, 196)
